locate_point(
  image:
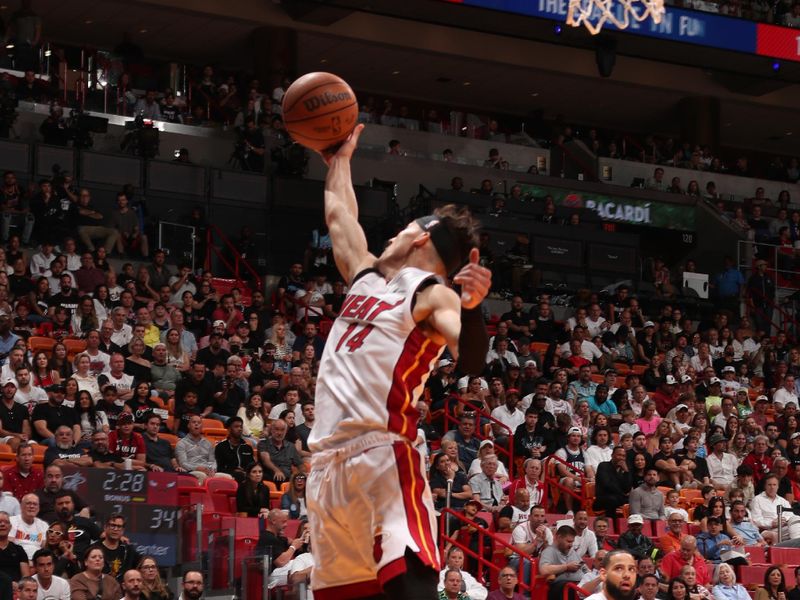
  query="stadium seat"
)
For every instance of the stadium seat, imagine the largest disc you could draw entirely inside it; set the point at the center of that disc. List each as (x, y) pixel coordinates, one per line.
(74, 347)
(758, 555)
(172, 439)
(38, 343)
(784, 556)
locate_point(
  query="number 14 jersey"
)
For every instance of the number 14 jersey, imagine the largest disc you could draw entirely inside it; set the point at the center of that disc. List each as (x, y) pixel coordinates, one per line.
(375, 363)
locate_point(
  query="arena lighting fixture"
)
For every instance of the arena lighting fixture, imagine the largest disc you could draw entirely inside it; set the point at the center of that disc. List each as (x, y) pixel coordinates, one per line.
(593, 14)
(776, 66)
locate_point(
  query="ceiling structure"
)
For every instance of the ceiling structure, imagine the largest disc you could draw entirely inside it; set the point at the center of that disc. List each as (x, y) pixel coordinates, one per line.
(453, 67)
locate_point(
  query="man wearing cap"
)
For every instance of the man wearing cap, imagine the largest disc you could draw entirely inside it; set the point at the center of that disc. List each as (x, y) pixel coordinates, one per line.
(721, 464)
(647, 500)
(441, 383)
(572, 454)
(613, 483)
(785, 394)
(633, 540)
(128, 444)
(47, 417)
(15, 426)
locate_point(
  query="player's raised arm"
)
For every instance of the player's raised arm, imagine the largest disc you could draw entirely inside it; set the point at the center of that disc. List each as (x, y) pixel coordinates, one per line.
(458, 320)
(341, 212)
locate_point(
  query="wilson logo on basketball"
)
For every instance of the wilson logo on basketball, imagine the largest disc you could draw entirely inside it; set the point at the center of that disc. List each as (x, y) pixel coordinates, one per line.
(325, 99)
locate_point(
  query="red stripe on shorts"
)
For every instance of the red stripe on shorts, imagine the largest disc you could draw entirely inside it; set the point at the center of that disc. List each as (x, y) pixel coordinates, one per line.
(412, 484)
(412, 365)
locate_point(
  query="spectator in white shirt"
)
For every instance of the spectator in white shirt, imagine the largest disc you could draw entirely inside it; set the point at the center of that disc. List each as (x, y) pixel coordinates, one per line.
(764, 511)
(595, 323)
(721, 464)
(785, 394)
(27, 529)
(40, 262)
(585, 541)
(502, 354)
(509, 415)
(470, 585)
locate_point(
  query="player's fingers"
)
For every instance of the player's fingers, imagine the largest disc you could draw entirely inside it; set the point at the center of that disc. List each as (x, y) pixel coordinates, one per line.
(474, 256)
(353, 139)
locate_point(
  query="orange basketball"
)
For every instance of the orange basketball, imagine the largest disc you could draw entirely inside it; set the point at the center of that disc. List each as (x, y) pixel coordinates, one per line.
(320, 110)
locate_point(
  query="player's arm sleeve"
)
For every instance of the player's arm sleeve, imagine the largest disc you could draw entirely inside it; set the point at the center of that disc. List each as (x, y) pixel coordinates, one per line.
(473, 342)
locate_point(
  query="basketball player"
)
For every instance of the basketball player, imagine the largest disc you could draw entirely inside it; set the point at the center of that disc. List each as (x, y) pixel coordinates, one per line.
(370, 508)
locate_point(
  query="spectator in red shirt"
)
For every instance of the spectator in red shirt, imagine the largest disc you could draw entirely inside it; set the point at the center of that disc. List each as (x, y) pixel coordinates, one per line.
(228, 312)
(127, 444)
(665, 397)
(759, 459)
(687, 555)
(23, 478)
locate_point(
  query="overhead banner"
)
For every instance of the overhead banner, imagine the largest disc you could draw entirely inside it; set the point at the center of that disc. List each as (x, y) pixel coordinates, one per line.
(618, 209)
(679, 25)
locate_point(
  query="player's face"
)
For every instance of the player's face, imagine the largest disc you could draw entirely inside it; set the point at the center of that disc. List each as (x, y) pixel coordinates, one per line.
(399, 247)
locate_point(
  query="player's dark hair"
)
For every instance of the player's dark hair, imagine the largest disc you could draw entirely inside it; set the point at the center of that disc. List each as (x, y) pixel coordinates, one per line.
(607, 558)
(566, 530)
(461, 233)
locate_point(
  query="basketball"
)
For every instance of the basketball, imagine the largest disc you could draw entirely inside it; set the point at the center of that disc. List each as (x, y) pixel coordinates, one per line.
(320, 110)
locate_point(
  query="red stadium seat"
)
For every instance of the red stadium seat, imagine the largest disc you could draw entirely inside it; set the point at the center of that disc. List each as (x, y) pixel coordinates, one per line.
(784, 556)
(758, 555)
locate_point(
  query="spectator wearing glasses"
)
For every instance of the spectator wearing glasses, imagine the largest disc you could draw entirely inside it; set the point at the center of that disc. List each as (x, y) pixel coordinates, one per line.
(27, 528)
(119, 556)
(507, 580)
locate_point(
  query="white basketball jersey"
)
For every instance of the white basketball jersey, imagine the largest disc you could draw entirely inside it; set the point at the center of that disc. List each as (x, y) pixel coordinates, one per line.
(375, 363)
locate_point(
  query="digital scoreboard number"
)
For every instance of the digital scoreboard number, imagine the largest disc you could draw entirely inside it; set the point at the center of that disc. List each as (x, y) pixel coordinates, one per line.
(148, 500)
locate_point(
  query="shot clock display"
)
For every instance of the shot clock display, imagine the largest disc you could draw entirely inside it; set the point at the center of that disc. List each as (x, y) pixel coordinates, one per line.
(148, 500)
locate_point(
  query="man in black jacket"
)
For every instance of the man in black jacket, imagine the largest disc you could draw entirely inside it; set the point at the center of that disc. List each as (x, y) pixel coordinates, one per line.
(233, 454)
(613, 483)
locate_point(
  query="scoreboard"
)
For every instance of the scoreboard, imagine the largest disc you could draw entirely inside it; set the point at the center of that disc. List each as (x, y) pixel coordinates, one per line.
(148, 500)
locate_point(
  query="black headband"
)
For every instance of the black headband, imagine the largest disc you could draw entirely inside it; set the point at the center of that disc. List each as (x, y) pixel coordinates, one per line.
(446, 244)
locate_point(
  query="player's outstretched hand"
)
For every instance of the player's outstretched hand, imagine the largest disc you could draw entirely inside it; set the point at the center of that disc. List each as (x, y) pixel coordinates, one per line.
(474, 280)
(345, 149)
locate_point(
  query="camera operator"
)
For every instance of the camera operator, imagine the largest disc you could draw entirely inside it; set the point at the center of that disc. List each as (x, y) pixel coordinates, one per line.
(54, 129)
(253, 147)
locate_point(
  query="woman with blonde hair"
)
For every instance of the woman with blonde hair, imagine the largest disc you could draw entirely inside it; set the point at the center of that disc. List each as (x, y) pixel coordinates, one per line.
(176, 355)
(450, 447)
(487, 448)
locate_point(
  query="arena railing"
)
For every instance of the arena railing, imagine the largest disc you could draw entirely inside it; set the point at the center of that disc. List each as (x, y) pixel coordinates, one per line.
(480, 414)
(493, 542)
(552, 482)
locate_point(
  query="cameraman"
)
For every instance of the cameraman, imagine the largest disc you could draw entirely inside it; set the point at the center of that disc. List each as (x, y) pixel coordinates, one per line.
(54, 129)
(254, 147)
